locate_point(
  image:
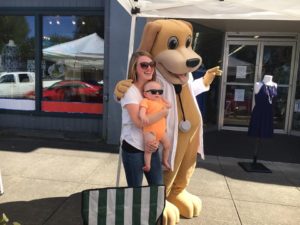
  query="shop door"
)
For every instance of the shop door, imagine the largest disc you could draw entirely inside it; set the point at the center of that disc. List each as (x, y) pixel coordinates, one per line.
(245, 64)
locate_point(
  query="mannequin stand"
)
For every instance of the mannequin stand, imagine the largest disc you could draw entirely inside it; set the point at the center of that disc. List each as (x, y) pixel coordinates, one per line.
(254, 166)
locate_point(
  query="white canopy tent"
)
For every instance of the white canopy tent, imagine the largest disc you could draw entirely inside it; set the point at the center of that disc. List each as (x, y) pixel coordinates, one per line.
(88, 51)
(216, 9)
(226, 15)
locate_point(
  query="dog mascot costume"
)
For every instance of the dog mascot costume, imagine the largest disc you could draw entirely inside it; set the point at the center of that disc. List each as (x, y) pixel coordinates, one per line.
(169, 41)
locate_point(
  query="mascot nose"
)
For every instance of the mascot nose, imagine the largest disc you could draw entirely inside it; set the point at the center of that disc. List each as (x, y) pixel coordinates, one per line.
(192, 62)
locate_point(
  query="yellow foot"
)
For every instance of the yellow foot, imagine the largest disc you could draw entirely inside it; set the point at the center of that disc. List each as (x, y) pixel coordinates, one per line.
(171, 214)
(189, 205)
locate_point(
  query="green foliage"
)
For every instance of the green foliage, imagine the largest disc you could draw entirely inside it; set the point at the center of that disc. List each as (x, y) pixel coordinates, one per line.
(13, 28)
(4, 220)
(58, 39)
(92, 24)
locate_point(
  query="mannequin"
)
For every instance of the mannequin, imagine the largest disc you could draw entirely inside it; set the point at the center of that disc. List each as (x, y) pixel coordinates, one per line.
(261, 122)
(267, 80)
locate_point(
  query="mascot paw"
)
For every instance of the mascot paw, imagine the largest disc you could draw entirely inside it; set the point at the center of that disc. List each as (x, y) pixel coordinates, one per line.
(211, 74)
(189, 205)
(121, 88)
(171, 214)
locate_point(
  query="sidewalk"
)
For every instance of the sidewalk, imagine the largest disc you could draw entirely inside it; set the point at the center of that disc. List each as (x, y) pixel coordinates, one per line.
(43, 179)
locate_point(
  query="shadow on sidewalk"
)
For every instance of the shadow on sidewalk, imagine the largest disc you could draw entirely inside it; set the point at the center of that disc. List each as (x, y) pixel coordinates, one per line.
(47, 211)
(279, 148)
(28, 144)
(232, 170)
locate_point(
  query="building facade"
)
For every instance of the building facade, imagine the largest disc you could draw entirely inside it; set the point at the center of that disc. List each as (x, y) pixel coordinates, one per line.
(78, 50)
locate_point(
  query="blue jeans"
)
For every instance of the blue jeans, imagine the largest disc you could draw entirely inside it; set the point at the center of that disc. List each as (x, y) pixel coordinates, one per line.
(133, 166)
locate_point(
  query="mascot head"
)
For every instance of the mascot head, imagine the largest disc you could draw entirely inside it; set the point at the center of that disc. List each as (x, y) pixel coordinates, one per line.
(170, 43)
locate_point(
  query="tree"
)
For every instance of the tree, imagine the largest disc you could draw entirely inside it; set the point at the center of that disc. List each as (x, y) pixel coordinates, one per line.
(86, 25)
(13, 28)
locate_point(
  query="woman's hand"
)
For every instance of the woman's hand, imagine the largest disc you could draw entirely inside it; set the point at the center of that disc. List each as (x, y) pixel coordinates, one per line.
(157, 116)
(152, 146)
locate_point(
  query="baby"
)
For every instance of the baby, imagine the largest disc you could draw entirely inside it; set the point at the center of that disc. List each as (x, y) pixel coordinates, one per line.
(153, 103)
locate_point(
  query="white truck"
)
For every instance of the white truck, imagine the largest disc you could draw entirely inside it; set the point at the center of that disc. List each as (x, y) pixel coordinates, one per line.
(17, 84)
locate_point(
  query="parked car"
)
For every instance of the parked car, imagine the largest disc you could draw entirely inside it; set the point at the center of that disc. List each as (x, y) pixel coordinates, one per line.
(72, 91)
(17, 84)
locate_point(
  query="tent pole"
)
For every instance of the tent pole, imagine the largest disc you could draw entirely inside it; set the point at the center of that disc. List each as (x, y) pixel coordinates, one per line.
(130, 51)
(131, 38)
(119, 166)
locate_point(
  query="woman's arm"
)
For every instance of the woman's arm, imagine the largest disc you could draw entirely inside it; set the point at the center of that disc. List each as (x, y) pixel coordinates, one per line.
(133, 111)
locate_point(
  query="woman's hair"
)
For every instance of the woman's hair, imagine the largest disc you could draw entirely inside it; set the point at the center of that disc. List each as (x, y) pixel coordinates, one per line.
(132, 74)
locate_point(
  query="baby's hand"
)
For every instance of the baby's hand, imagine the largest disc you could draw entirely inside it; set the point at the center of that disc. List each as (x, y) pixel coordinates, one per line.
(165, 111)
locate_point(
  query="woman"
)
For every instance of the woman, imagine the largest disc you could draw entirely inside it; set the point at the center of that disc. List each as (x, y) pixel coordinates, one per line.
(141, 69)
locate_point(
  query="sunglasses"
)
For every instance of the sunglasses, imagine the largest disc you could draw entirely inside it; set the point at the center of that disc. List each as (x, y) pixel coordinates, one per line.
(155, 91)
(145, 65)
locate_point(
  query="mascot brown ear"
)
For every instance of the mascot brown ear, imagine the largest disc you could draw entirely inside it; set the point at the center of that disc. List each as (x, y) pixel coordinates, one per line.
(149, 35)
(188, 24)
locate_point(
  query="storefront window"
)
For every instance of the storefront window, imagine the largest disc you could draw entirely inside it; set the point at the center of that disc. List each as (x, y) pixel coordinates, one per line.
(241, 63)
(279, 107)
(72, 64)
(238, 105)
(242, 59)
(277, 62)
(17, 77)
(296, 111)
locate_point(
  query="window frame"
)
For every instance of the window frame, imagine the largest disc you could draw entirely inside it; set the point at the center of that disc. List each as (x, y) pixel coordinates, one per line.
(38, 13)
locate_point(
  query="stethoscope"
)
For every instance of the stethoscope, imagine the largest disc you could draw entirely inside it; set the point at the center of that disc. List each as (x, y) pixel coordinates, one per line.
(184, 125)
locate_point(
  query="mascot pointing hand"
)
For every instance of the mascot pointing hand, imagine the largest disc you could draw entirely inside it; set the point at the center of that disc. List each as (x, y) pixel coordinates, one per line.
(169, 42)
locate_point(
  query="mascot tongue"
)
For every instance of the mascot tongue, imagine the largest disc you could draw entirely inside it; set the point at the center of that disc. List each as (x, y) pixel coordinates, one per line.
(182, 77)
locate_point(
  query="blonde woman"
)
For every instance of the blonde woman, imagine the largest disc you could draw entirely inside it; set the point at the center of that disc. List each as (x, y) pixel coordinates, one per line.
(141, 70)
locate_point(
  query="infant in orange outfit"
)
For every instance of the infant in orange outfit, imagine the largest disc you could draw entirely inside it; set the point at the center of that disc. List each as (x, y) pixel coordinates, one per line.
(153, 103)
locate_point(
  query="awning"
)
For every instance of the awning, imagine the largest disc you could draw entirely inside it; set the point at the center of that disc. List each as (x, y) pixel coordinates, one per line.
(216, 9)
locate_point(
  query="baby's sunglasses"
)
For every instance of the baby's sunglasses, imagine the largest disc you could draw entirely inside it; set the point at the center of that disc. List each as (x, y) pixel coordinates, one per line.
(155, 91)
(145, 65)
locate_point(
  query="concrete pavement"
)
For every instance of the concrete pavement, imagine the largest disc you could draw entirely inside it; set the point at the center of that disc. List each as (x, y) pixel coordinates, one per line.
(43, 179)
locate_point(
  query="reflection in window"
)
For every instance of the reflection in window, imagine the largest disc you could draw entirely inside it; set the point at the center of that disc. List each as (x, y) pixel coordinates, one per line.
(241, 63)
(277, 62)
(279, 107)
(72, 64)
(238, 105)
(16, 61)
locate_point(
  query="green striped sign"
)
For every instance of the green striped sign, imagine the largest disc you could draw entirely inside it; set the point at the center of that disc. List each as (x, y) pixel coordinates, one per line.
(123, 205)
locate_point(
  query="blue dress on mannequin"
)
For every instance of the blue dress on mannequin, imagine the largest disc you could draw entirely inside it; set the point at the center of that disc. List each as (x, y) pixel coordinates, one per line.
(261, 122)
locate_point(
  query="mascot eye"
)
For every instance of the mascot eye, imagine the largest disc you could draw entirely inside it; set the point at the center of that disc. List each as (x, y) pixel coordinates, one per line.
(172, 43)
(188, 41)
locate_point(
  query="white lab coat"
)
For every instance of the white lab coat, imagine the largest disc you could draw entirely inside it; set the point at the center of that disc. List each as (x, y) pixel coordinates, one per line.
(196, 87)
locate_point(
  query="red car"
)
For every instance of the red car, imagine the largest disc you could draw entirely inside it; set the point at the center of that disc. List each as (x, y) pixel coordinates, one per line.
(72, 91)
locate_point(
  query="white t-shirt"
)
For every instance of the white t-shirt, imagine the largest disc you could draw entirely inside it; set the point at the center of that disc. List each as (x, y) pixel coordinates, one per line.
(130, 132)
